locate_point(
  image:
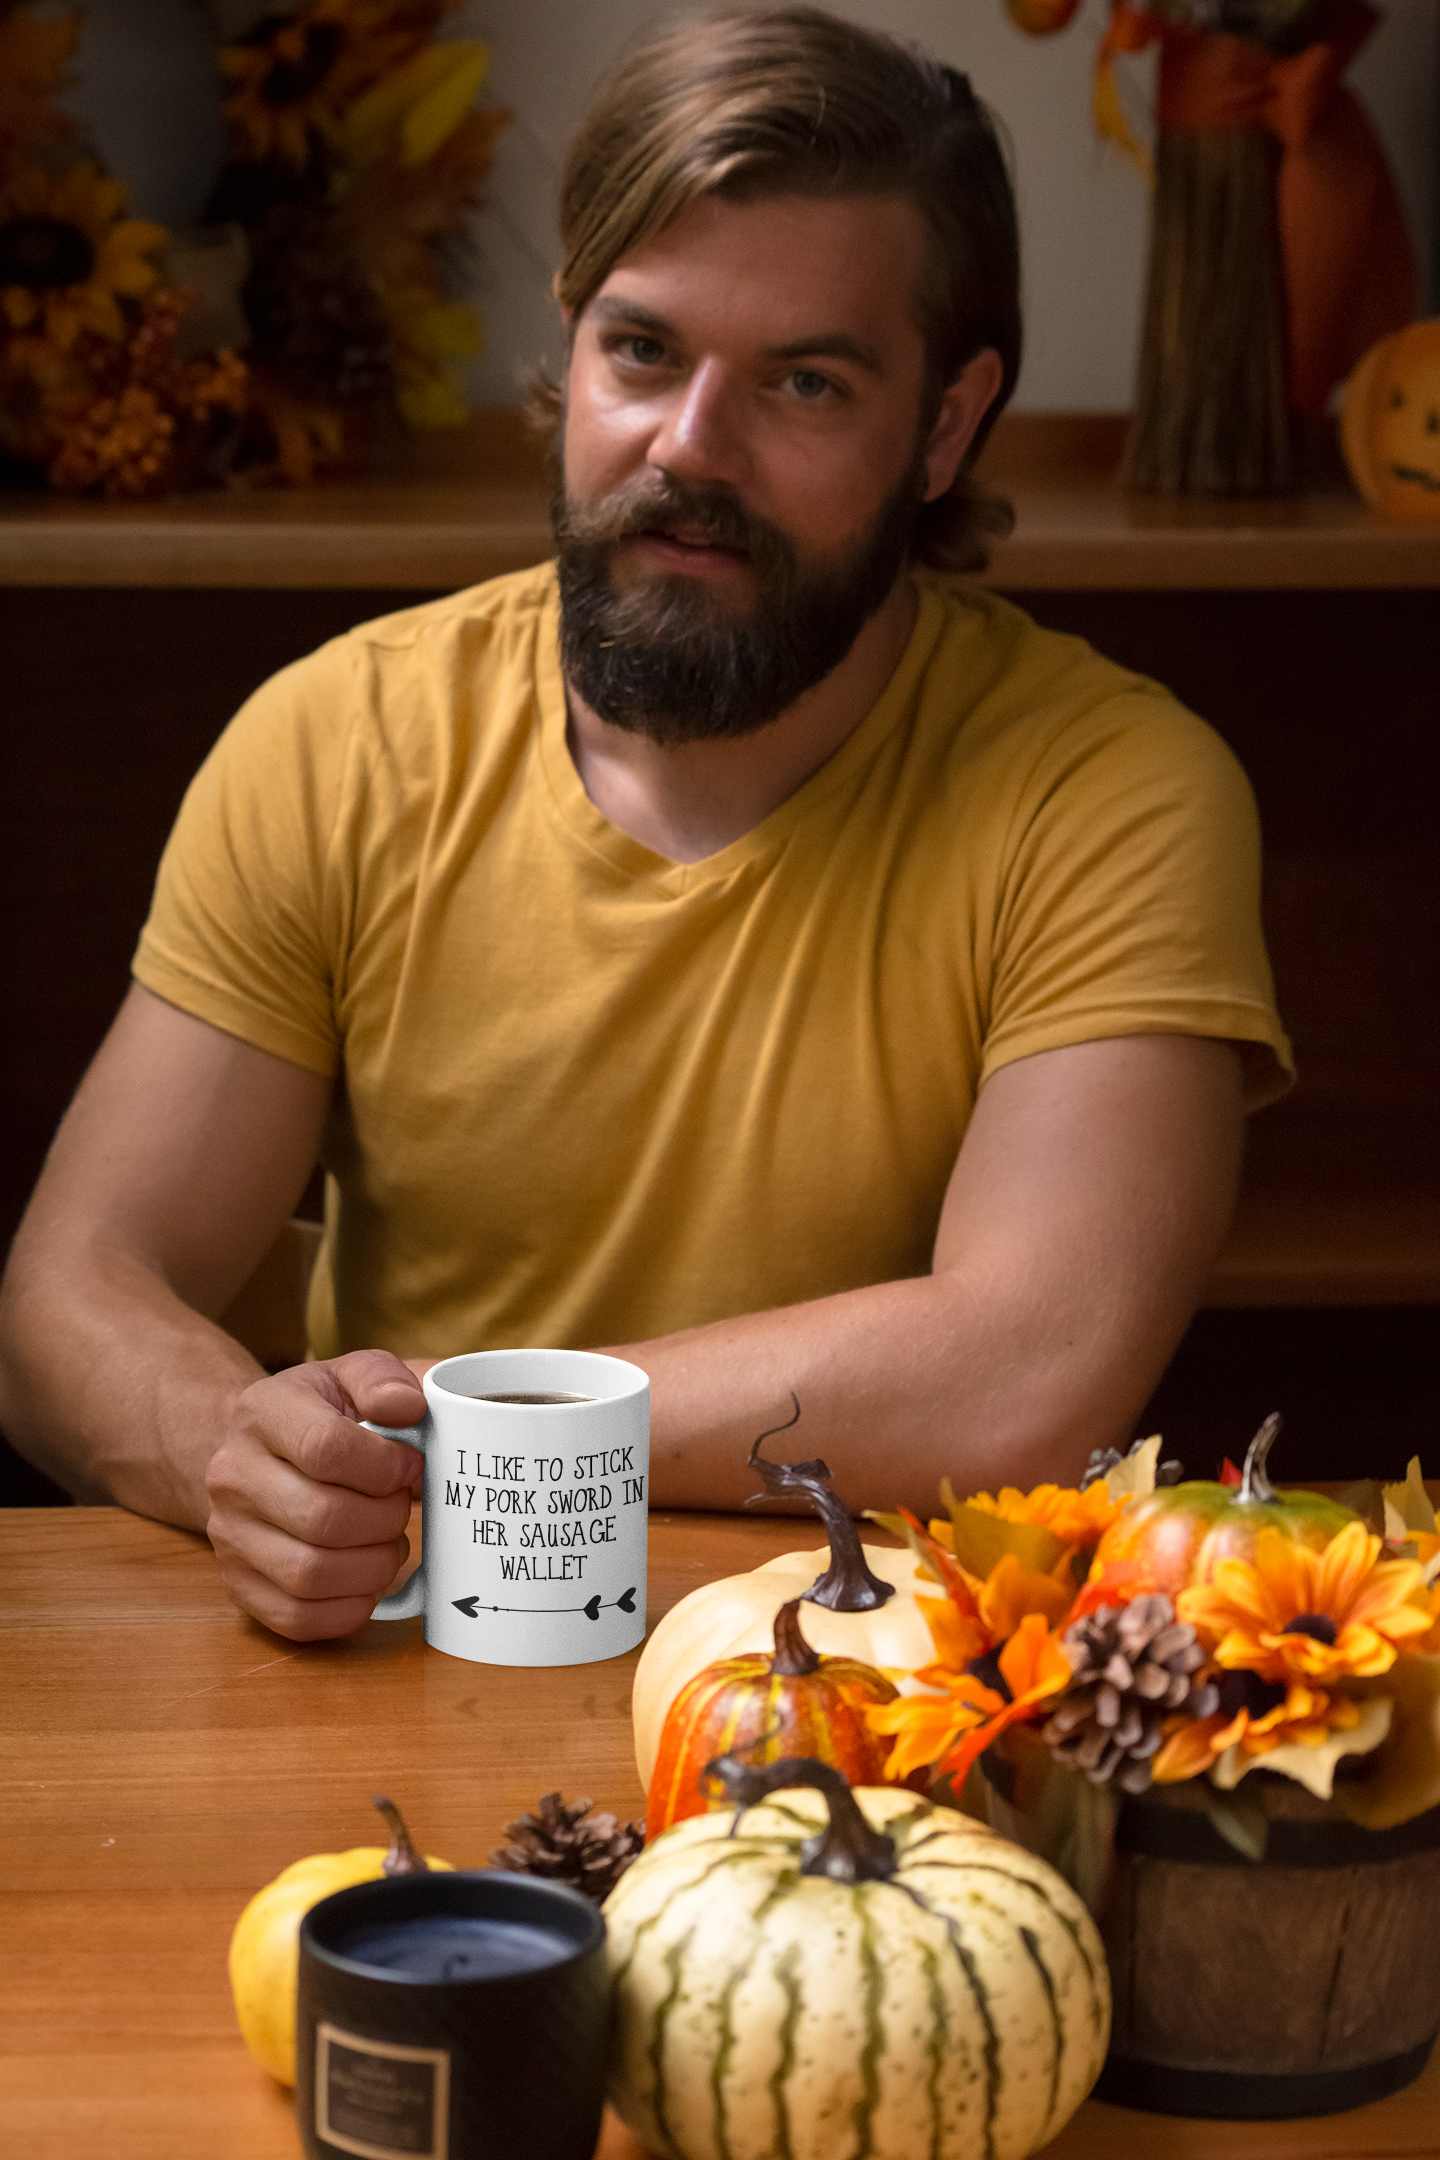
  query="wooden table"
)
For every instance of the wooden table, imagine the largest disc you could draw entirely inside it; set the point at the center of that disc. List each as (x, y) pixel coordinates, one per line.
(161, 1758)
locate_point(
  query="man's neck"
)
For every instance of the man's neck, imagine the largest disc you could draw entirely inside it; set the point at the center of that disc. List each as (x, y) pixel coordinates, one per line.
(688, 800)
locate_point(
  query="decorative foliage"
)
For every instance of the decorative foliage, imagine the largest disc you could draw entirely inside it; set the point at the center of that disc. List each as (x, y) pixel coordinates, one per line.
(354, 159)
(1203, 1632)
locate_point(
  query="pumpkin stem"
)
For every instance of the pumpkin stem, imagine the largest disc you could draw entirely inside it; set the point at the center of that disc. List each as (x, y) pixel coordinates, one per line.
(847, 1849)
(402, 1858)
(1255, 1487)
(793, 1655)
(847, 1585)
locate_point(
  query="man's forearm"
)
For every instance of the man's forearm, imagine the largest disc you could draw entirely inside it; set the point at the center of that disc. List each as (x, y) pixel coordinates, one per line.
(111, 1384)
(899, 1384)
(1085, 1211)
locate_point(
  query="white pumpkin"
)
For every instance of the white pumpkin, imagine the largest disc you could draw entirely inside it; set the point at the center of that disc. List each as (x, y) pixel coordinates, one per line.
(726, 1618)
(954, 2008)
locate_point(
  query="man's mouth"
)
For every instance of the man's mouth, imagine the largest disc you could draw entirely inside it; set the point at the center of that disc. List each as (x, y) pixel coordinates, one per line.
(693, 541)
(1417, 477)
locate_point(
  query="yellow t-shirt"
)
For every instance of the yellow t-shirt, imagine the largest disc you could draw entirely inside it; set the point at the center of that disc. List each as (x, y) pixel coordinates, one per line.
(586, 1094)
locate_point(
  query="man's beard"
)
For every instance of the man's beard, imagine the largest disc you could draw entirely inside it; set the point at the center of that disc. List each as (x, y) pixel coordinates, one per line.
(667, 659)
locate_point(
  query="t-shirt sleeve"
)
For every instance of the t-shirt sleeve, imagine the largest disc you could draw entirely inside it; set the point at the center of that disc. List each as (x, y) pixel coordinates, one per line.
(241, 930)
(1131, 902)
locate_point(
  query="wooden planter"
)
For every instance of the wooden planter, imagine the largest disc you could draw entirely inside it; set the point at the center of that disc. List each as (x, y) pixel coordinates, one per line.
(1299, 1984)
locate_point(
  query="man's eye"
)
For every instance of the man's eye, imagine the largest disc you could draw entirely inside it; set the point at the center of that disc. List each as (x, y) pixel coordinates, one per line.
(807, 384)
(645, 351)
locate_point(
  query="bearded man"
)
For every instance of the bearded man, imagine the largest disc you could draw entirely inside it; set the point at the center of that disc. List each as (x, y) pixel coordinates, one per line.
(733, 945)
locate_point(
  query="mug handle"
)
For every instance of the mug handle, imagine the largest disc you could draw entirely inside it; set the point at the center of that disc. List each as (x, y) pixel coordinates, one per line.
(407, 1603)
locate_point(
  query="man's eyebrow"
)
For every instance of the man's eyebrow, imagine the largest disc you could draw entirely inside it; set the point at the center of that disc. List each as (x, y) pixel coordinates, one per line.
(823, 345)
(613, 307)
(829, 345)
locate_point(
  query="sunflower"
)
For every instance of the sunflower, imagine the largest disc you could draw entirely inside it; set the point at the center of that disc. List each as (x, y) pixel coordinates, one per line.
(1294, 1614)
(67, 256)
(291, 84)
(1075, 1518)
(1255, 1718)
(953, 1725)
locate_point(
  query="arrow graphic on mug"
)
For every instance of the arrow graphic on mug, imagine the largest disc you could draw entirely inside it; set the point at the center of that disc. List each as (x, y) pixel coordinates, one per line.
(471, 1606)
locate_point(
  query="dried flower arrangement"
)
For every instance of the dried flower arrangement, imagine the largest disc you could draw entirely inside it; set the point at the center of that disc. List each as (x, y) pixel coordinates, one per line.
(1153, 1633)
(355, 154)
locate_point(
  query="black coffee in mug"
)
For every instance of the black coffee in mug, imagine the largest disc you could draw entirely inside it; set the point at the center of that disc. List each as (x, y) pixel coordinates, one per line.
(532, 1398)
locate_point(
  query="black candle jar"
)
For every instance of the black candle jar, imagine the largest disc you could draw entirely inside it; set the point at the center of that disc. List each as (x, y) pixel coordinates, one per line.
(411, 2045)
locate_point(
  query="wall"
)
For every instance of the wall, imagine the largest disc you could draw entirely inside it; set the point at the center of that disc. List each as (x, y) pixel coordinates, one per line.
(1083, 208)
(143, 86)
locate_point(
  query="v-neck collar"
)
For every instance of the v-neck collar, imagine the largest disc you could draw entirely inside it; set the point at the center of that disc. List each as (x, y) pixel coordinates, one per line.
(578, 816)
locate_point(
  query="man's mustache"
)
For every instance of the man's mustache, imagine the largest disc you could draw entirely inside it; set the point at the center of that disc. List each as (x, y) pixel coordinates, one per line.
(710, 515)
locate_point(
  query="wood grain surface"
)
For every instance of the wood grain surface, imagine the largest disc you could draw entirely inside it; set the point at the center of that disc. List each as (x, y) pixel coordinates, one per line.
(161, 1758)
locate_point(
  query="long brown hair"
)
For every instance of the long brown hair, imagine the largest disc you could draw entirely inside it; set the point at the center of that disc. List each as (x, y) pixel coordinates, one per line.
(749, 103)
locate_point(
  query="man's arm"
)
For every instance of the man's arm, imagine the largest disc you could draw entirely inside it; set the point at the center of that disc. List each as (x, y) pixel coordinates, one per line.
(1091, 1193)
(1087, 1205)
(179, 1159)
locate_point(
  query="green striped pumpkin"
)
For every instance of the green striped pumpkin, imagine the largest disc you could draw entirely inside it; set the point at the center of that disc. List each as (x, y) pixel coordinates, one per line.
(956, 2009)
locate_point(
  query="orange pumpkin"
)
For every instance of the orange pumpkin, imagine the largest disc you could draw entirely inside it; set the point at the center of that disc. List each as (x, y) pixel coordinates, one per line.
(764, 1707)
(1041, 18)
(1178, 1534)
(1390, 424)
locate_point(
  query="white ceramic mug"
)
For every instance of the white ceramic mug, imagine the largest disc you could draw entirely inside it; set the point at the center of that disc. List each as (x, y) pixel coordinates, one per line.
(533, 1538)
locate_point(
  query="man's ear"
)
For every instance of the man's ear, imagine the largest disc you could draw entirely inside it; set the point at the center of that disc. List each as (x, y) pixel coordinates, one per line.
(962, 408)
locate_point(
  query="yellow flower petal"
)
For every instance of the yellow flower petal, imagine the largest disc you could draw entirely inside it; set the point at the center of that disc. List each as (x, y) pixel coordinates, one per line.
(1012, 1591)
(1343, 1566)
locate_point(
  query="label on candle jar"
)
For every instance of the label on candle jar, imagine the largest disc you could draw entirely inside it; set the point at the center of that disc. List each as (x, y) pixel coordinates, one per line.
(379, 2100)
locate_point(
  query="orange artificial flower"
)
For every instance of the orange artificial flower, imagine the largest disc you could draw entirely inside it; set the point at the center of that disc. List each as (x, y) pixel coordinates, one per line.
(1305, 1717)
(1076, 1518)
(1012, 1592)
(1293, 1614)
(1428, 1601)
(952, 1730)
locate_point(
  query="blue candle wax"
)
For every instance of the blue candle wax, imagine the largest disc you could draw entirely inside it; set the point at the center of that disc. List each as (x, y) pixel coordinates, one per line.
(457, 1946)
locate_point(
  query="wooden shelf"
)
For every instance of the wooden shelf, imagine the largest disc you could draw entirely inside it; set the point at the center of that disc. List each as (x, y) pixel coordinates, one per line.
(439, 513)
(1288, 1250)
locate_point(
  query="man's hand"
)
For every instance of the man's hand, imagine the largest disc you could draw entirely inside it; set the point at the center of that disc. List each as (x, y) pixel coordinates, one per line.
(307, 1509)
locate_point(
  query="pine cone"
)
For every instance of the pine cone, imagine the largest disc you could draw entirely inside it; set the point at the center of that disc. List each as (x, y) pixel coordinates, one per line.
(1134, 1667)
(566, 1843)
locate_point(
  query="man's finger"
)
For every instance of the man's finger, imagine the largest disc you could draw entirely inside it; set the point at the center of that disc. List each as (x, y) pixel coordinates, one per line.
(290, 1418)
(378, 1385)
(298, 1619)
(310, 1574)
(246, 1478)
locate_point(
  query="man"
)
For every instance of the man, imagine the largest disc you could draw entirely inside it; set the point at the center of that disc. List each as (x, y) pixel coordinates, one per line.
(730, 949)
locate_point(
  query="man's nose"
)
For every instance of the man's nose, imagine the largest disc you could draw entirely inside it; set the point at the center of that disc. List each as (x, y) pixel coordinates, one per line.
(702, 436)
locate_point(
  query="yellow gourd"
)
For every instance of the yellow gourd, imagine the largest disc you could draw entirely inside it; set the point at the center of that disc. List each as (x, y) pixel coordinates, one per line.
(265, 1947)
(1390, 424)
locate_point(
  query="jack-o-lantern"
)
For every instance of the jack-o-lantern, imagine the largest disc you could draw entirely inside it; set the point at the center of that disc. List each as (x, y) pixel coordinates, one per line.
(1390, 424)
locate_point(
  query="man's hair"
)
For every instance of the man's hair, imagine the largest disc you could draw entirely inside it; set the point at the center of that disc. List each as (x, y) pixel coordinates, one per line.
(749, 103)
